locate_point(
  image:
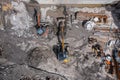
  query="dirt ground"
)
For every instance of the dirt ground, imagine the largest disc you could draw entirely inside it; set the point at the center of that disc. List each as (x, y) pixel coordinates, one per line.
(24, 55)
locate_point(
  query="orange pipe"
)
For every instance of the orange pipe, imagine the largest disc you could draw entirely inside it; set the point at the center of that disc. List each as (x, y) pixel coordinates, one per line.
(38, 19)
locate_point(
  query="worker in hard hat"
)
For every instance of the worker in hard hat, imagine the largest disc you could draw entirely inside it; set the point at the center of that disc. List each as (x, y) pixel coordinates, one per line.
(108, 59)
(108, 63)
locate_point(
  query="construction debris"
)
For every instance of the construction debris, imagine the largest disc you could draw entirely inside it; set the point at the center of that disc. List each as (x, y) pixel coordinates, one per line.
(89, 25)
(99, 18)
(58, 42)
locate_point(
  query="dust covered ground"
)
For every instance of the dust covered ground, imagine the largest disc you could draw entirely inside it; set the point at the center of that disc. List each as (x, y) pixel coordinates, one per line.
(24, 55)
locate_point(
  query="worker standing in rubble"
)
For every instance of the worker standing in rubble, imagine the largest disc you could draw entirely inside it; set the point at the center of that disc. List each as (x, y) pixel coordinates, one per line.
(109, 65)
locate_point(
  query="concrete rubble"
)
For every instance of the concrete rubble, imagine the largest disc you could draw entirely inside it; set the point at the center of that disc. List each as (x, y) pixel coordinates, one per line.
(24, 20)
(25, 55)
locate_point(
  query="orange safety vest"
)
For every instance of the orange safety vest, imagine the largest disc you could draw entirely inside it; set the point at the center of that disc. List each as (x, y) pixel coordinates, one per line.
(108, 62)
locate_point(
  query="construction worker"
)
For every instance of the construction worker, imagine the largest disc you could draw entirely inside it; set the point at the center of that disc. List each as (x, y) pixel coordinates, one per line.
(108, 59)
(108, 63)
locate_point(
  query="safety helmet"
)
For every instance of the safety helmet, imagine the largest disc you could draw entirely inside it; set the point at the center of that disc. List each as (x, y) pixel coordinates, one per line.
(108, 58)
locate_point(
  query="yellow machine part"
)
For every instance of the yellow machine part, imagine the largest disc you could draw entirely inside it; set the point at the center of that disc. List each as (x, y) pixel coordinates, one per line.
(6, 7)
(62, 38)
(66, 60)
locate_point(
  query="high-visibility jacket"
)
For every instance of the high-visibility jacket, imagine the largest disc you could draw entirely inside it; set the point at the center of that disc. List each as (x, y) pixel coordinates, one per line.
(108, 62)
